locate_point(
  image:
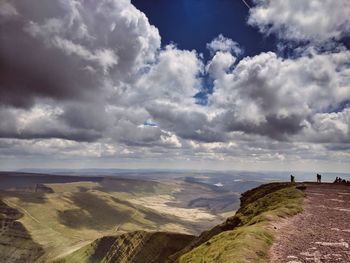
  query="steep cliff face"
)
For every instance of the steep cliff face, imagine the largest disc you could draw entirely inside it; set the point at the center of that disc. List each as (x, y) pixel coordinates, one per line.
(247, 199)
(16, 243)
(247, 236)
(137, 247)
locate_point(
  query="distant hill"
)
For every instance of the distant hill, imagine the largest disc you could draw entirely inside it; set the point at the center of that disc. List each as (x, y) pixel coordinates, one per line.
(19, 179)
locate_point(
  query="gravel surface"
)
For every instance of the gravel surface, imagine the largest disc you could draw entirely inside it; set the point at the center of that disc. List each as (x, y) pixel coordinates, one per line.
(321, 233)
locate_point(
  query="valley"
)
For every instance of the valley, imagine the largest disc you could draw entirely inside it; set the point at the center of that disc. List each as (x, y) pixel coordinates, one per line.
(63, 213)
(70, 218)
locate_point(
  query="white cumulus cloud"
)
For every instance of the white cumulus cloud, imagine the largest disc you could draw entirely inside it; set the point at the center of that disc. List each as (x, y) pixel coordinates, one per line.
(314, 20)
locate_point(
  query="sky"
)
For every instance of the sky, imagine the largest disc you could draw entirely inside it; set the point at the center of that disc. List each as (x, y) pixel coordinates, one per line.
(191, 24)
(175, 84)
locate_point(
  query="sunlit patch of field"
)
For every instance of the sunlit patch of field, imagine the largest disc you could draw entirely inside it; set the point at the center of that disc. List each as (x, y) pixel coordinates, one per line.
(160, 203)
(73, 187)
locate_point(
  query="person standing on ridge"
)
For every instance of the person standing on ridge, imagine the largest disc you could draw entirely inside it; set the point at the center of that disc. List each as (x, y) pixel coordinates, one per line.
(292, 179)
(318, 178)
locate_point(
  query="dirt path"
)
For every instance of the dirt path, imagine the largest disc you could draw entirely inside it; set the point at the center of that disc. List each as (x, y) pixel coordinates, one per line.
(321, 233)
(24, 211)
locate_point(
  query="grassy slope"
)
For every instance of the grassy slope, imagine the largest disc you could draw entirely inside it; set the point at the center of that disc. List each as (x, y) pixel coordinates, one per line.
(16, 243)
(247, 236)
(139, 246)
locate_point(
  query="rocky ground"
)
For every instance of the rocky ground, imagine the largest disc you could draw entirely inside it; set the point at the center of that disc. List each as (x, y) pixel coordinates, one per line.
(321, 233)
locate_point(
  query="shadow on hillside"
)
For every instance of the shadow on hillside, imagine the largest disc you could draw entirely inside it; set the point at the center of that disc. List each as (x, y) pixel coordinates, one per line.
(148, 214)
(99, 214)
(25, 197)
(127, 185)
(16, 243)
(94, 213)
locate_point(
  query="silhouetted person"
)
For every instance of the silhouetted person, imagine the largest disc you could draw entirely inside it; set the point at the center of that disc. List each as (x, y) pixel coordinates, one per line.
(292, 179)
(318, 178)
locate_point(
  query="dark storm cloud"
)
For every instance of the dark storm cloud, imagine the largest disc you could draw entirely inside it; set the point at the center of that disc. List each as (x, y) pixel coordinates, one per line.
(73, 56)
(86, 116)
(43, 127)
(278, 128)
(339, 146)
(8, 123)
(53, 132)
(69, 50)
(187, 124)
(59, 133)
(30, 69)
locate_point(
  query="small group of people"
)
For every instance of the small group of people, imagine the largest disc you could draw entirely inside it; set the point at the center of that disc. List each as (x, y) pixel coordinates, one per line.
(339, 180)
(318, 177)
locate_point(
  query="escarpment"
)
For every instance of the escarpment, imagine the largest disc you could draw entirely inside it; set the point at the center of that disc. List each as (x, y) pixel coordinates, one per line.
(16, 244)
(245, 236)
(137, 247)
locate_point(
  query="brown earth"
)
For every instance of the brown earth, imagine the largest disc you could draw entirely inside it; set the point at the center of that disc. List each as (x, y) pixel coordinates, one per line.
(319, 234)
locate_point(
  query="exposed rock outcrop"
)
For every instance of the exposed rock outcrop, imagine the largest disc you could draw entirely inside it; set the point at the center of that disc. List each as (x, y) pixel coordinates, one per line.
(136, 247)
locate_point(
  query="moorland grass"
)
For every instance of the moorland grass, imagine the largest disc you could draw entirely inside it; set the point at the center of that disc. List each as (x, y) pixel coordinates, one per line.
(78, 213)
(251, 240)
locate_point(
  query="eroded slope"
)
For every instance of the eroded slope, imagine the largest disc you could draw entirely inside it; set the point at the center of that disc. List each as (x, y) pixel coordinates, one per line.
(16, 244)
(136, 247)
(247, 236)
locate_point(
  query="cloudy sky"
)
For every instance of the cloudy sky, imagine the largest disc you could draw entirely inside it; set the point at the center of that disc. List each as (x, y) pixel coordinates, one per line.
(186, 84)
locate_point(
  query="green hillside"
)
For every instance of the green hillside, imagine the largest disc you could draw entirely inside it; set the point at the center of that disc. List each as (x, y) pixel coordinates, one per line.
(245, 237)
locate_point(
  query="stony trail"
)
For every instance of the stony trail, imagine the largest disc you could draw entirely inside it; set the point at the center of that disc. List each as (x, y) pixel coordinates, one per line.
(319, 234)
